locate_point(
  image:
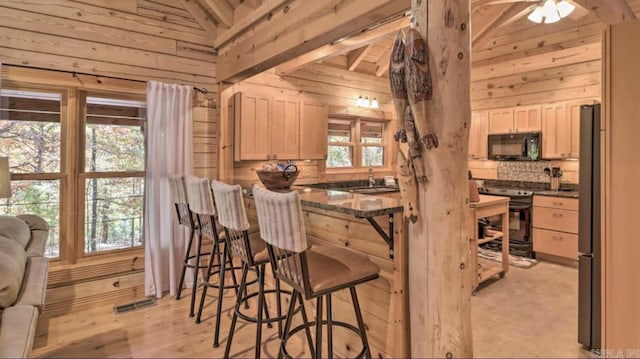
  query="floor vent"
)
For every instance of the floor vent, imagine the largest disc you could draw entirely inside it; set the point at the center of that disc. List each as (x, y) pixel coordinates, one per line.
(125, 308)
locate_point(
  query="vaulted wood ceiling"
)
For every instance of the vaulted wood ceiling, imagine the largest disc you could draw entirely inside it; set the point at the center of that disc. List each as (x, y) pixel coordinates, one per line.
(231, 24)
(369, 55)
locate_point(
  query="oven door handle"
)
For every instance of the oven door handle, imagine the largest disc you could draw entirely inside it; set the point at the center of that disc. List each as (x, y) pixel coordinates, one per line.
(520, 206)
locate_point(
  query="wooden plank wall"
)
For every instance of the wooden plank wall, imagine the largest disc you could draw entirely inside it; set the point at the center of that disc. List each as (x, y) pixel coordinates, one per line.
(164, 40)
(524, 64)
(138, 40)
(339, 89)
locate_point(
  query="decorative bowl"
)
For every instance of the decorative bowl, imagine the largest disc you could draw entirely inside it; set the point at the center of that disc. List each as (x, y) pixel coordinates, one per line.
(279, 179)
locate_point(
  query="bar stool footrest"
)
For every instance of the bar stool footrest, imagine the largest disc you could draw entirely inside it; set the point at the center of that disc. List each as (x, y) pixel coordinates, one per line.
(189, 265)
(264, 320)
(229, 286)
(353, 328)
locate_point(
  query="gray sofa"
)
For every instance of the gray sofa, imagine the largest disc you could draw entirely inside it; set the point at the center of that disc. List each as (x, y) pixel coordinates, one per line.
(23, 282)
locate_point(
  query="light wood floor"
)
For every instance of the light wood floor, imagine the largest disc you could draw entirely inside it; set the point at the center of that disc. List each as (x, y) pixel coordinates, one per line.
(529, 313)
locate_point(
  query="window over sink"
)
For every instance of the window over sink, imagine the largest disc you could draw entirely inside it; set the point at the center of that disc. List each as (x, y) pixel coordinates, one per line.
(356, 143)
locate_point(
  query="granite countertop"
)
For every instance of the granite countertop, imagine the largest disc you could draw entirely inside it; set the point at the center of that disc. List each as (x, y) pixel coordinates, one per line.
(567, 190)
(358, 205)
(565, 194)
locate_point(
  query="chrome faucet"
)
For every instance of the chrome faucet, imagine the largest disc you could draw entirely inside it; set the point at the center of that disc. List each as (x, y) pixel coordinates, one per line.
(372, 181)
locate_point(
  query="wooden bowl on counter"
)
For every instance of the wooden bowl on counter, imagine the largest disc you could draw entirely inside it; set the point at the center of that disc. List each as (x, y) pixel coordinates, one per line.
(278, 179)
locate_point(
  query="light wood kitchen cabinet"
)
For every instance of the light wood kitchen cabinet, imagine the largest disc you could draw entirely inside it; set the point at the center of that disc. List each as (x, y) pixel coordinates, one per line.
(556, 131)
(573, 113)
(527, 118)
(555, 226)
(285, 128)
(266, 127)
(515, 119)
(251, 126)
(501, 120)
(314, 123)
(478, 132)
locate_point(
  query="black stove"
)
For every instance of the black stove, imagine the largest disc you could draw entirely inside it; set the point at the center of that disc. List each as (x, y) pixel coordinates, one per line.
(505, 191)
(520, 223)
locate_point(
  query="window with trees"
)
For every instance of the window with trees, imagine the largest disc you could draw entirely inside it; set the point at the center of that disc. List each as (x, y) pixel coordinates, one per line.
(80, 162)
(355, 143)
(113, 176)
(30, 135)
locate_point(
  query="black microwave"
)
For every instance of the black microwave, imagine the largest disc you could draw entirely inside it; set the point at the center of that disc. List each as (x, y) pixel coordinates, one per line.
(515, 147)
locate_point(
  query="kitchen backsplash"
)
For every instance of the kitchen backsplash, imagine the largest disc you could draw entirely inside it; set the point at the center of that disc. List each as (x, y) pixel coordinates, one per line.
(525, 171)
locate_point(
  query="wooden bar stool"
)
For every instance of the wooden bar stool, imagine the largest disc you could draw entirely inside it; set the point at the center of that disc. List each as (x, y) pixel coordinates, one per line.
(316, 272)
(185, 218)
(201, 203)
(253, 252)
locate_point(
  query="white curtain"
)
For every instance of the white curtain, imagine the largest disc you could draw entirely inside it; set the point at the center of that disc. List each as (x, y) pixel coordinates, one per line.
(169, 151)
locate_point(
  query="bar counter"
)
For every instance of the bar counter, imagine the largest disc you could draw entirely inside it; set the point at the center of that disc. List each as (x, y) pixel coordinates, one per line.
(358, 205)
(349, 220)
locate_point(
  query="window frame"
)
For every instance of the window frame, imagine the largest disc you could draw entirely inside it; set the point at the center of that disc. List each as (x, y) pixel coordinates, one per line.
(357, 144)
(66, 96)
(84, 175)
(351, 144)
(70, 85)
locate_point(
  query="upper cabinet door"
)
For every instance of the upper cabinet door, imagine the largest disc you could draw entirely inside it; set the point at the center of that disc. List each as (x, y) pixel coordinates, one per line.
(527, 118)
(556, 132)
(478, 132)
(501, 120)
(251, 113)
(285, 128)
(314, 128)
(573, 113)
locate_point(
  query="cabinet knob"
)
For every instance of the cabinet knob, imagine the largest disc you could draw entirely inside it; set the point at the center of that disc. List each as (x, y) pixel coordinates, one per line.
(558, 215)
(557, 238)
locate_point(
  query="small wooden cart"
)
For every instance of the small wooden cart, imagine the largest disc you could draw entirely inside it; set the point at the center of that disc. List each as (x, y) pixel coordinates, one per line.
(489, 206)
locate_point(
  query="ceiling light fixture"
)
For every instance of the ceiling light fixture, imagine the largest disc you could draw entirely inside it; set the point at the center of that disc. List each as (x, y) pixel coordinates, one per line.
(551, 11)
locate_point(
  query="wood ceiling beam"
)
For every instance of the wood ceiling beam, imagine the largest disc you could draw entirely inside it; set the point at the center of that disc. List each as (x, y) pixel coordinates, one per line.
(355, 57)
(475, 5)
(300, 30)
(484, 20)
(342, 47)
(382, 65)
(246, 22)
(220, 10)
(511, 14)
(253, 3)
(609, 11)
(200, 15)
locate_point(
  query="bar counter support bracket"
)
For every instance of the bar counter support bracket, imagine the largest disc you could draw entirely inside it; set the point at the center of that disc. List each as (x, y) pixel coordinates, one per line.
(387, 237)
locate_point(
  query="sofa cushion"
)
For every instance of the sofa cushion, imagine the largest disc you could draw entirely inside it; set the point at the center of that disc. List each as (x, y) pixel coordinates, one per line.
(16, 229)
(13, 260)
(34, 285)
(39, 233)
(17, 331)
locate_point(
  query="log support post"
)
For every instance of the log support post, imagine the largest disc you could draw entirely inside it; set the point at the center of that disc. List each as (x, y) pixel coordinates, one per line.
(439, 270)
